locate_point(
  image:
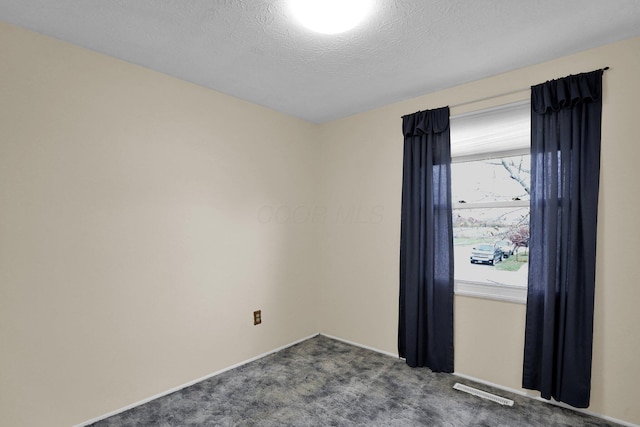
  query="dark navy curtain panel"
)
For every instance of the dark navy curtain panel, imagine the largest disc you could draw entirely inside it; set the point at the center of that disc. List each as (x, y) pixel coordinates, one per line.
(425, 333)
(565, 168)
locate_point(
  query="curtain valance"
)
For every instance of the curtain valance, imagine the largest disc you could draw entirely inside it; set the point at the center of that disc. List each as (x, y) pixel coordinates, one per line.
(426, 122)
(567, 92)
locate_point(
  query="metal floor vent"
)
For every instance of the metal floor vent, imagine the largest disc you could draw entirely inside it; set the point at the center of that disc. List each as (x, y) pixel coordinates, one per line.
(483, 394)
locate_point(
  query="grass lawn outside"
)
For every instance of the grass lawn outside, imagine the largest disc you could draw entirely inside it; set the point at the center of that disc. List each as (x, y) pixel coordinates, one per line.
(513, 263)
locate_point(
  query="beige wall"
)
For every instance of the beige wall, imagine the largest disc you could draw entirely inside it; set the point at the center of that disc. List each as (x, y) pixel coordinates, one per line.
(361, 161)
(136, 231)
(141, 222)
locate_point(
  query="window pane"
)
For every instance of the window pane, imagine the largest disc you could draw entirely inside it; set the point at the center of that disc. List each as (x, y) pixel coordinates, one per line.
(491, 245)
(491, 180)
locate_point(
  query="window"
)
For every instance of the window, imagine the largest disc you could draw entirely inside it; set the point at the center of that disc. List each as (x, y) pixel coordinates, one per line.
(490, 191)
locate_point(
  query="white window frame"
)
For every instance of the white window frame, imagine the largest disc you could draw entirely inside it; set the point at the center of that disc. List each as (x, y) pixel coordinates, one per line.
(488, 290)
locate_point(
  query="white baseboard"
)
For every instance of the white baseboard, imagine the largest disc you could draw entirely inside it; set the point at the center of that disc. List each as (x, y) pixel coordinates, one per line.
(550, 402)
(361, 345)
(190, 383)
(477, 380)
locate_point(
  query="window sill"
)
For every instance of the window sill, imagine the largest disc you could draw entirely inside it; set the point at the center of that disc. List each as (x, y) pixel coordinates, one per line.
(494, 291)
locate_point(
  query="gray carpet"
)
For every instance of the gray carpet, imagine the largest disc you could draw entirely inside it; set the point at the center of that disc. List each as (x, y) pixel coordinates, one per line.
(324, 382)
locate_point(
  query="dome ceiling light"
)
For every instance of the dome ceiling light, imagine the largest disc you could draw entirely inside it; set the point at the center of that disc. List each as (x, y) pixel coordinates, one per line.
(330, 16)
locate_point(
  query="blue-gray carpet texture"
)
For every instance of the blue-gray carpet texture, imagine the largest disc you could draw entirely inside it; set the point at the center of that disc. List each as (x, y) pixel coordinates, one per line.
(324, 382)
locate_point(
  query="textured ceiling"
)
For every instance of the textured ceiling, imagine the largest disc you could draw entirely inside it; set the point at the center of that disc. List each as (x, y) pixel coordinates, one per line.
(255, 50)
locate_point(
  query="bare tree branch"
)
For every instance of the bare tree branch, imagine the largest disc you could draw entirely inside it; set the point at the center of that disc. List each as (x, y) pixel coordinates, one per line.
(515, 175)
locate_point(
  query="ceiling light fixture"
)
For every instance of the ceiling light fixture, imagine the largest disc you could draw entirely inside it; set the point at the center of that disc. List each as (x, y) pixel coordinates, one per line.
(330, 16)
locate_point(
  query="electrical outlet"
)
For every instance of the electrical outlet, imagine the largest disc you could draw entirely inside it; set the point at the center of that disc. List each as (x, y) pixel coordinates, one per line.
(257, 317)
